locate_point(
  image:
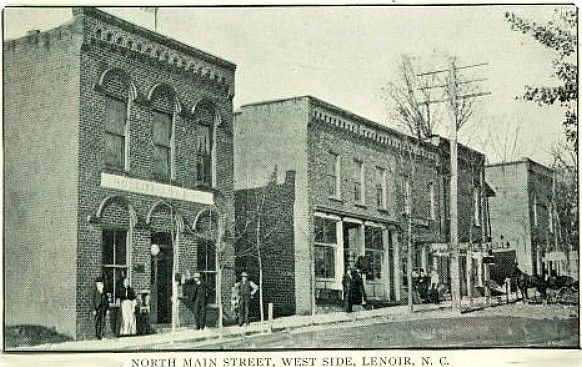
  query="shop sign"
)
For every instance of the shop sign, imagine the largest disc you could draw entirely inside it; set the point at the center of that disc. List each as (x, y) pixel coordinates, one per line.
(155, 189)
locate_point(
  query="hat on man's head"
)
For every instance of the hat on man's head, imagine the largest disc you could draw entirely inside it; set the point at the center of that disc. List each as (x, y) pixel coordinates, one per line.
(99, 280)
(244, 274)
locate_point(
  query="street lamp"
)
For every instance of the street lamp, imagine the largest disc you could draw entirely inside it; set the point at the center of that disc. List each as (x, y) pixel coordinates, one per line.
(155, 251)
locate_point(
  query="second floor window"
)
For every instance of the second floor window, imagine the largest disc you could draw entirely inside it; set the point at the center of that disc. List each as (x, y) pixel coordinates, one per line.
(432, 209)
(477, 206)
(407, 196)
(358, 181)
(204, 118)
(381, 188)
(203, 156)
(115, 122)
(162, 144)
(534, 205)
(334, 176)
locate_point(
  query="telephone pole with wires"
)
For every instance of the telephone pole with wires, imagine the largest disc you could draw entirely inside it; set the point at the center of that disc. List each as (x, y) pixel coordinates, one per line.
(458, 95)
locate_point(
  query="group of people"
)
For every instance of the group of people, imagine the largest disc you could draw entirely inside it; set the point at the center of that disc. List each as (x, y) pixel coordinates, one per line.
(242, 292)
(425, 288)
(133, 308)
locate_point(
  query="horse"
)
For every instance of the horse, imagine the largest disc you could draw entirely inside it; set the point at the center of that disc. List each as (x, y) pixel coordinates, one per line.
(525, 281)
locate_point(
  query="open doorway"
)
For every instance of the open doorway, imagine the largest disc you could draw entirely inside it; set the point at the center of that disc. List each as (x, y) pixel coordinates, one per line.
(161, 279)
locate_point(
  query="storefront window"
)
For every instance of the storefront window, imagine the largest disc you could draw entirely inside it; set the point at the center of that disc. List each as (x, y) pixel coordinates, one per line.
(325, 248)
(374, 253)
(114, 262)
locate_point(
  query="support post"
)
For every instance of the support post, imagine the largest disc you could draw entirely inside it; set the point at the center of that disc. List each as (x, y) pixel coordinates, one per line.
(270, 318)
(455, 274)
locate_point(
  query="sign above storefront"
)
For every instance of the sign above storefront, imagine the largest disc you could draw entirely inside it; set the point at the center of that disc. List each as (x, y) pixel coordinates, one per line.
(155, 189)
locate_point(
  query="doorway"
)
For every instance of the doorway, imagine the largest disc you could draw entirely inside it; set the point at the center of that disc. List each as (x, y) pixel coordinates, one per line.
(161, 279)
(352, 234)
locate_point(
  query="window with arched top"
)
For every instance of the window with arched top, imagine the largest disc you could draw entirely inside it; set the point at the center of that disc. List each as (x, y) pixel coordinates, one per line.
(119, 92)
(164, 108)
(204, 119)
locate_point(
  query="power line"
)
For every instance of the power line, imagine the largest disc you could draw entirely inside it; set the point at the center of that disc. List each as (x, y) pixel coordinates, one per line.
(447, 70)
(459, 82)
(465, 96)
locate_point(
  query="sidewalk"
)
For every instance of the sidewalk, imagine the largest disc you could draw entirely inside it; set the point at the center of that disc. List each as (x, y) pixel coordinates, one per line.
(394, 313)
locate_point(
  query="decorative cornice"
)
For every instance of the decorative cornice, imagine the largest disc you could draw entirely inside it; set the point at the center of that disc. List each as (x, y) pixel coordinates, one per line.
(204, 74)
(378, 135)
(169, 43)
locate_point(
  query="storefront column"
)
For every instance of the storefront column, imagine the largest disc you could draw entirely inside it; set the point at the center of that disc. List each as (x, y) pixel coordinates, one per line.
(340, 260)
(386, 264)
(479, 270)
(397, 266)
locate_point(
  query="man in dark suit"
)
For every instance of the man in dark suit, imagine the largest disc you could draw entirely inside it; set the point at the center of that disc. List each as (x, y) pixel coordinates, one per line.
(198, 300)
(100, 307)
(247, 289)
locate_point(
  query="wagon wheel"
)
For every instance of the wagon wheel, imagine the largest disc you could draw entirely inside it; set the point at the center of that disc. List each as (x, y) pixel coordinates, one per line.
(565, 295)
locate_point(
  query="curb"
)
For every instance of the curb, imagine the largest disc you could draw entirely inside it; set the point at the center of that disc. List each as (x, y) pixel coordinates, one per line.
(389, 314)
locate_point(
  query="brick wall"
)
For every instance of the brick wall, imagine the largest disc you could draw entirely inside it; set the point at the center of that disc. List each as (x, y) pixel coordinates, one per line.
(41, 109)
(273, 206)
(272, 137)
(145, 75)
(55, 109)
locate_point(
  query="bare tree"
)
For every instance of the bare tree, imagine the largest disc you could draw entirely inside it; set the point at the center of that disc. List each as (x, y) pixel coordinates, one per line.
(408, 101)
(258, 231)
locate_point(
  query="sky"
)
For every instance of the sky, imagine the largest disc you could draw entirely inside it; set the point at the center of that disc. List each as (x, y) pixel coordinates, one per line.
(346, 55)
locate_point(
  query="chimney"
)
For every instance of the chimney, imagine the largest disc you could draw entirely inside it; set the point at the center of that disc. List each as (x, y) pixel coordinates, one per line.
(33, 32)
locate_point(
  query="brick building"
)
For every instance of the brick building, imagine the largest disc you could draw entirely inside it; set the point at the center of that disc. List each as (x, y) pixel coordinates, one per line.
(118, 161)
(474, 229)
(356, 181)
(522, 215)
(266, 213)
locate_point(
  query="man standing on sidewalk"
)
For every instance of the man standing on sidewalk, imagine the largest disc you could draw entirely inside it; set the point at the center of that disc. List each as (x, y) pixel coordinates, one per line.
(247, 290)
(100, 307)
(198, 299)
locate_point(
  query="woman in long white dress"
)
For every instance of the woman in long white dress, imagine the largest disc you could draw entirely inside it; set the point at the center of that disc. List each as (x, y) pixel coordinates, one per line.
(128, 302)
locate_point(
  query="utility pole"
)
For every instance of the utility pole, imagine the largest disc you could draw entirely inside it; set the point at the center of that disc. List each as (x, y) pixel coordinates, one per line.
(154, 11)
(460, 109)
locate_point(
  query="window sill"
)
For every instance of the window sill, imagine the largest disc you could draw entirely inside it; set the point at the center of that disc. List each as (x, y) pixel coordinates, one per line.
(384, 210)
(335, 198)
(361, 205)
(115, 170)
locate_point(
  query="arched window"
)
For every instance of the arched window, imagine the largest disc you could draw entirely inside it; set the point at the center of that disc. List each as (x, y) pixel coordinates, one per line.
(119, 92)
(165, 105)
(204, 118)
(117, 218)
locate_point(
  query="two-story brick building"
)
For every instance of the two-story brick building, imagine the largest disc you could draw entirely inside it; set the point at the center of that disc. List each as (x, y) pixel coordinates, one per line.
(522, 215)
(356, 181)
(118, 162)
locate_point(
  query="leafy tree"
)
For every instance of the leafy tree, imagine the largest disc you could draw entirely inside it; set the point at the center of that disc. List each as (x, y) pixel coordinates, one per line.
(560, 35)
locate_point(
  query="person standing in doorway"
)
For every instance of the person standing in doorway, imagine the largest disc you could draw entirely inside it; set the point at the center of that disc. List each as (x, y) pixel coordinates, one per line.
(247, 289)
(198, 299)
(100, 307)
(128, 302)
(348, 283)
